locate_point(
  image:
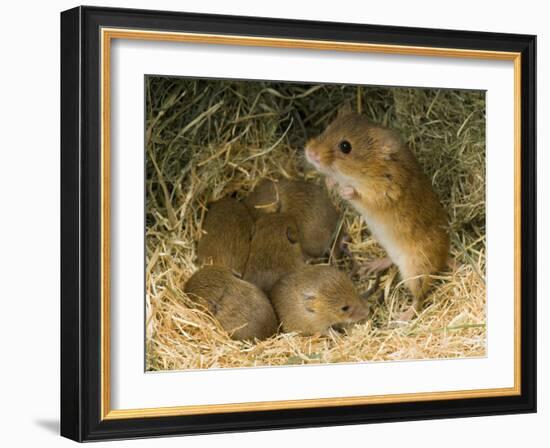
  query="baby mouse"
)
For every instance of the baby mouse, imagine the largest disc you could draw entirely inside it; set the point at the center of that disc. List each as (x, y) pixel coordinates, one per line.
(306, 202)
(241, 308)
(380, 176)
(275, 250)
(229, 227)
(315, 298)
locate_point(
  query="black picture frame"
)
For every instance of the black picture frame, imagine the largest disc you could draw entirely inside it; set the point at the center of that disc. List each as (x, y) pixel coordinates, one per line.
(81, 224)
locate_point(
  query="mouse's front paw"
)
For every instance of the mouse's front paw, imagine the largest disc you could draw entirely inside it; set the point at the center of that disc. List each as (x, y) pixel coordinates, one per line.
(348, 193)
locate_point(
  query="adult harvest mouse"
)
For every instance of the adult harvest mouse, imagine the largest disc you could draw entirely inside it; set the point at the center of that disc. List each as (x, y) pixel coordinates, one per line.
(307, 203)
(380, 176)
(315, 298)
(242, 309)
(275, 250)
(229, 228)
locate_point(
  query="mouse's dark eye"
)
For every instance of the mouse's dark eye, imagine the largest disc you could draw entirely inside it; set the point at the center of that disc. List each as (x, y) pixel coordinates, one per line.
(345, 308)
(345, 146)
(309, 301)
(291, 235)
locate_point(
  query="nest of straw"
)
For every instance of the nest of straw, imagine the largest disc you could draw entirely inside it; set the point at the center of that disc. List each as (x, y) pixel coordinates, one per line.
(209, 138)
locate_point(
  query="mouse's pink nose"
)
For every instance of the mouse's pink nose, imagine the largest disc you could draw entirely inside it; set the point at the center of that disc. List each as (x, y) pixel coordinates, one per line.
(312, 155)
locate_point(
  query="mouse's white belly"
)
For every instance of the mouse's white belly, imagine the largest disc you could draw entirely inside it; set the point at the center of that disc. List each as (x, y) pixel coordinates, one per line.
(381, 232)
(384, 235)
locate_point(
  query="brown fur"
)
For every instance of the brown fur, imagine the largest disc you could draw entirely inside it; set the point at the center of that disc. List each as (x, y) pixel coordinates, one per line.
(275, 250)
(241, 308)
(392, 193)
(229, 228)
(265, 198)
(306, 202)
(310, 300)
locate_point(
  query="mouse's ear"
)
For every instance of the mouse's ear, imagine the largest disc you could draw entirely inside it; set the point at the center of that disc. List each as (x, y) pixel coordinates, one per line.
(344, 109)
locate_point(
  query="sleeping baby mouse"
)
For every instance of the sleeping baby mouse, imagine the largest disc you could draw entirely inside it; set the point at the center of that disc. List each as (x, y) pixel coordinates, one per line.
(228, 229)
(315, 298)
(275, 250)
(241, 308)
(307, 203)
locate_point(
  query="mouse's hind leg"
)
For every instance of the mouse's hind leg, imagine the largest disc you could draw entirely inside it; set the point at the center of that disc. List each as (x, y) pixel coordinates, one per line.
(418, 286)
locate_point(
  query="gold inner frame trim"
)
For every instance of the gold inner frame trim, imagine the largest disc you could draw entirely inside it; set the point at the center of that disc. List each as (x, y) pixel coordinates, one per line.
(107, 35)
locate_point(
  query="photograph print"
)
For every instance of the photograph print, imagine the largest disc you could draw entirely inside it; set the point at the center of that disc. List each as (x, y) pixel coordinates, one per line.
(293, 224)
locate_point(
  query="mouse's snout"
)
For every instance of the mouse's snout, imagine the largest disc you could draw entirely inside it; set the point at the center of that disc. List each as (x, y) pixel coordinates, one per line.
(311, 155)
(360, 313)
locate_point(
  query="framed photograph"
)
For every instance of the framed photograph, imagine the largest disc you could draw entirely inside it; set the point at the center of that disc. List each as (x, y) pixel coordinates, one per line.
(277, 224)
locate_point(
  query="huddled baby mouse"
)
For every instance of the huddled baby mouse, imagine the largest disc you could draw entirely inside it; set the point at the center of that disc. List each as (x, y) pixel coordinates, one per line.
(315, 298)
(380, 176)
(242, 309)
(229, 228)
(274, 251)
(307, 203)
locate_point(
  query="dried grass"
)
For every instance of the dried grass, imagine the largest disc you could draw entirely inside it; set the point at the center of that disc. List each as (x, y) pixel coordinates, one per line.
(208, 138)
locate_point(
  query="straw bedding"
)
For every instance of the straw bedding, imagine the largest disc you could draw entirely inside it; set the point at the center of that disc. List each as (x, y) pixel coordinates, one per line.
(209, 138)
